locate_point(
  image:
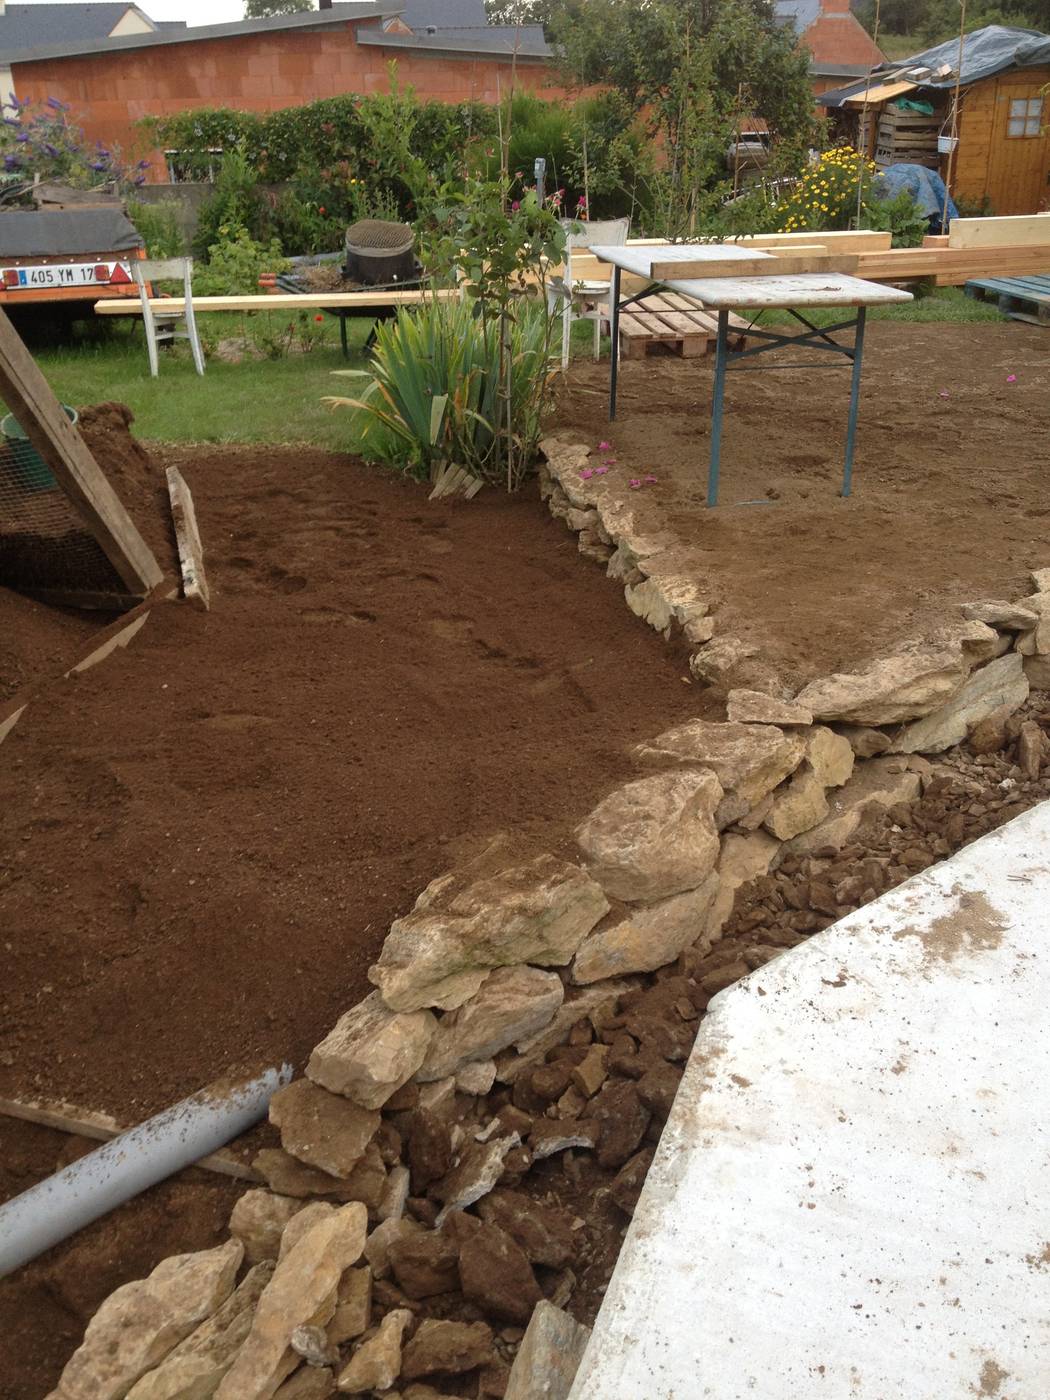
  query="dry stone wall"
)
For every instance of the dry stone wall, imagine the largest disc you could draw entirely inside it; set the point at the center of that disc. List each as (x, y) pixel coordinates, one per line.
(532, 1007)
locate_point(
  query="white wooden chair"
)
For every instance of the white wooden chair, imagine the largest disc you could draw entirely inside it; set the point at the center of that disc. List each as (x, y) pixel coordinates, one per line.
(581, 300)
(162, 326)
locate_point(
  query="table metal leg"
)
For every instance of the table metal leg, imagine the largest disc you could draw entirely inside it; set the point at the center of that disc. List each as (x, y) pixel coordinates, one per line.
(342, 337)
(718, 395)
(854, 401)
(614, 331)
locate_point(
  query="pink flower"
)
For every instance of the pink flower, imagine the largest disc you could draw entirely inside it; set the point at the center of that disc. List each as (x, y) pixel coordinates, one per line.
(600, 471)
(515, 206)
(609, 461)
(586, 473)
(605, 447)
(650, 478)
(634, 483)
(943, 394)
(1011, 379)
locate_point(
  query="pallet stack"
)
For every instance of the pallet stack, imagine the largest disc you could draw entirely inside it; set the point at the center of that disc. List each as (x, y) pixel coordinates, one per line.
(910, 137)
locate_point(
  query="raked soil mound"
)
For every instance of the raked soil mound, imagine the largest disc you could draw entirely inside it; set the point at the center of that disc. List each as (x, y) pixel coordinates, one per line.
(206, 838)
(951, 497)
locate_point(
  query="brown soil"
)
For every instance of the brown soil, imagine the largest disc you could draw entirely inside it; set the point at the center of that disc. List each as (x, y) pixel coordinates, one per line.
(37, 641)
(951, 496)
(209, 835)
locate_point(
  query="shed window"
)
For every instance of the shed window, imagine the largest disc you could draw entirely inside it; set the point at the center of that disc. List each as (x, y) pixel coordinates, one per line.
(1025, 116)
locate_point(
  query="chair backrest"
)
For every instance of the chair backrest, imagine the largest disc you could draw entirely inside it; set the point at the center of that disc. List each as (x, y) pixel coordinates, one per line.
(585, 232)
(145, 270)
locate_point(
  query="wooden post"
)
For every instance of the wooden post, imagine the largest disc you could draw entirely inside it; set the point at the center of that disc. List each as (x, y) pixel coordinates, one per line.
(29, 397)
(188, 539)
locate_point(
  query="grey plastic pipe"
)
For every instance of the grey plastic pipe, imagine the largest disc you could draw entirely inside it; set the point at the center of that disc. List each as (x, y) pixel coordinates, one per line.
(104, 1179)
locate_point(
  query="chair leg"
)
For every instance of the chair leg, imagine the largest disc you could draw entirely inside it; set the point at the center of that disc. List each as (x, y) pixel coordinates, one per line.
(149, 326)
(191, 327)
(566, 325)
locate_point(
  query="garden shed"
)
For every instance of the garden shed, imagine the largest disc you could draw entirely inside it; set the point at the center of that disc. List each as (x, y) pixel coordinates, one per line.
(1002, 122)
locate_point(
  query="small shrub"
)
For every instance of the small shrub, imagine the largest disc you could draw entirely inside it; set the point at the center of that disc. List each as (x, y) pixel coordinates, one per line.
(235, 263)
(237, 202)
(159, 226)
(901, 216)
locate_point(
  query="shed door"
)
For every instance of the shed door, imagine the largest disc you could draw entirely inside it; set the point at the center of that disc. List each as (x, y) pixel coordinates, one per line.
(1020, 153)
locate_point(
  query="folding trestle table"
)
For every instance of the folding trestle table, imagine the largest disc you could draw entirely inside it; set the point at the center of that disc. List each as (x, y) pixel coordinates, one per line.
(751, 293)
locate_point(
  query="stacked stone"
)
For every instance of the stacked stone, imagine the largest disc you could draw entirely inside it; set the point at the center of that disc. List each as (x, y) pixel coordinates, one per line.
(531, 1008)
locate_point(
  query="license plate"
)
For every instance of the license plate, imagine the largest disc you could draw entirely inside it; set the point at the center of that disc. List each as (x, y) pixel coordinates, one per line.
(17, 279)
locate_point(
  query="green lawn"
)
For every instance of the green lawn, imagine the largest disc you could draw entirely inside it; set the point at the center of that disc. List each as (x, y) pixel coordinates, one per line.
(280, 400)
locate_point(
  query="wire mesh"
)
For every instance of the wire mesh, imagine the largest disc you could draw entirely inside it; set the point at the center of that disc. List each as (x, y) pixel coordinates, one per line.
(44, 545)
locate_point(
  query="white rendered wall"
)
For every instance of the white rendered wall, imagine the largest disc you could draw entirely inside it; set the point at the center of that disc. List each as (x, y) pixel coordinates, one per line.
(851, 1197)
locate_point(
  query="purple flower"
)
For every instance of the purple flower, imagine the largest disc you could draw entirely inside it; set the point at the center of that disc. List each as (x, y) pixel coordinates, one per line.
(12, 163)
(51, 150)
(600, 471)
(586, 473)
(22, 136)
(55, 105)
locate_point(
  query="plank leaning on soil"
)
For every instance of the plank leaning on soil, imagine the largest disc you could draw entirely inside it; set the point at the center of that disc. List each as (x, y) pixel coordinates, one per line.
(187, 537)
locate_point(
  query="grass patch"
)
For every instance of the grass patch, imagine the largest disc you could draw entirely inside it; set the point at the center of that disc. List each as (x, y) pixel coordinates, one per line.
(253, 401)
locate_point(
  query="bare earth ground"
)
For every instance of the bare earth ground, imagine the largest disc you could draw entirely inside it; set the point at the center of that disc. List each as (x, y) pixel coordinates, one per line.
(951, 496)
(243, 801)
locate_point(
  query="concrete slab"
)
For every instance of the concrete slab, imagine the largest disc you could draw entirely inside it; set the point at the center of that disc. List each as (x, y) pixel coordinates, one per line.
(850, 1195)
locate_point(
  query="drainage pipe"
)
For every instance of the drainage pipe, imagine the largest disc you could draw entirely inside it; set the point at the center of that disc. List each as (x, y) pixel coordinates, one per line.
(129, 1163)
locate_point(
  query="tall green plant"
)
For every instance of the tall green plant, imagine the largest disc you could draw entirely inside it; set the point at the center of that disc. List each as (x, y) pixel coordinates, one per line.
(435, 394)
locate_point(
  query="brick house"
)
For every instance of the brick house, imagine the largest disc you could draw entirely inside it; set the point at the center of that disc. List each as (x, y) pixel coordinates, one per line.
(443, 48)
(839, 45)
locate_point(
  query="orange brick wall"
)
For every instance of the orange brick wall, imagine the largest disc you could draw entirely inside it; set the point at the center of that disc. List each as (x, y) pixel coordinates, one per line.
(110, 92)
(837, 37)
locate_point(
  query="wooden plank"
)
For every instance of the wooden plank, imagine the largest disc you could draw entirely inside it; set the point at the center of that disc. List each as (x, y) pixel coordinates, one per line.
(283, 301)
(188, 538)
(29, 397)
(1011, 230)
(783, 265)
(100, 1127)
(836, 241)
(686, 322)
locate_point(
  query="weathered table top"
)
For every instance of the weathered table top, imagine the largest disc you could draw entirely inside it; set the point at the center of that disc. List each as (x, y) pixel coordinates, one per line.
(802, 289)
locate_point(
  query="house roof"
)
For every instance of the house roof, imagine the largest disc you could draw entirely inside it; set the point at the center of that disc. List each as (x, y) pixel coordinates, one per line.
(985, 52)
(29, 26)
(445, 26)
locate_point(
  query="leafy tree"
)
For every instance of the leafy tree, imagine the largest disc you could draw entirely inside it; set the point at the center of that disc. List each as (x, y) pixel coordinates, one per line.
(934, 21)
(264, 9)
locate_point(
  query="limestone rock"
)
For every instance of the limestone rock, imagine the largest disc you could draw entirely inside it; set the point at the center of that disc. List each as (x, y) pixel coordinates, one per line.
(550, 1135)
(476, 1173)
(371, 1051)
(513, 1002)
(447, 1349)
(1000, 684)
(258, 1219)
(306, 1219)
(376, 1364)
(476, 1078)
(193, 1370)
(137, 1326)
(1041, 580)
(544, 1232)
(654, 837)
(424, 1263)
(287, 1175)
(398, 1184)
(798, 805)
(304, 1288)
(754, 707)
(1031, 747)
(717, 662)
(649, 937)
(496, 912)
(383, 1238)
(1037, 669)
(829, 755)
(1010, 617)
(875, 784)
(865, 741)
(549, 1356)
(308, 1383)
(589, 1075)
(533, 1048)
(495, 1274)
(353, 1307)
(1039, 603)
(748, 759)
(743, 858)
(918, 679)
(323, 1129)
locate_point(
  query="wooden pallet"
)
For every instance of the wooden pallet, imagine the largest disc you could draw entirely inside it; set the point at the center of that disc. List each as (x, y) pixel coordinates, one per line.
(676, 322)
(1023, 298)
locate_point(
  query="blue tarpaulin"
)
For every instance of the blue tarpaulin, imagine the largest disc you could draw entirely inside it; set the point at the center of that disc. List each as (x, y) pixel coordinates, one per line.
(925, 186)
